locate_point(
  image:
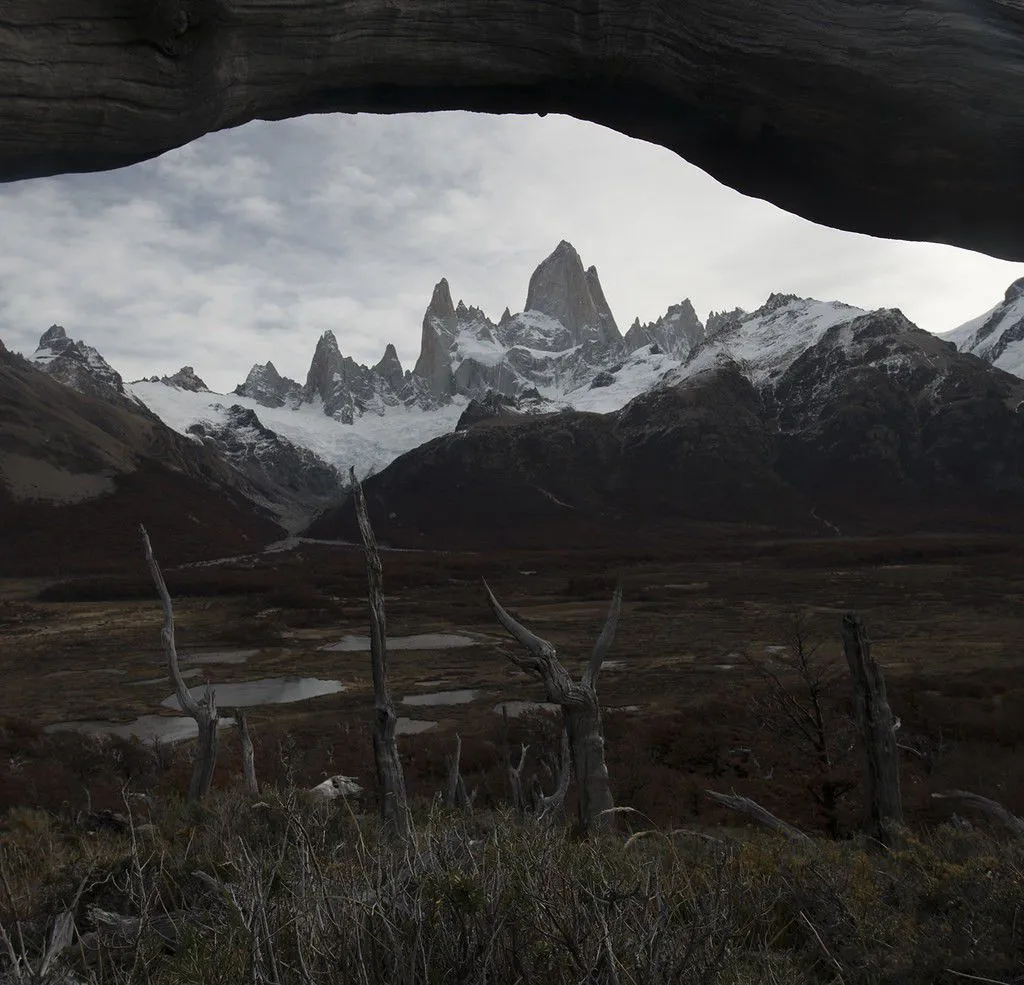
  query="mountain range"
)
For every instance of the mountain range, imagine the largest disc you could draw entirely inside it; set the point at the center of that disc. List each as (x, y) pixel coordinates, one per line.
(553, 416)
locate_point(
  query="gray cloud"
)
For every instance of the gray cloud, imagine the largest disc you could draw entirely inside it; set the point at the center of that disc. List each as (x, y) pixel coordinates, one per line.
(245, 245)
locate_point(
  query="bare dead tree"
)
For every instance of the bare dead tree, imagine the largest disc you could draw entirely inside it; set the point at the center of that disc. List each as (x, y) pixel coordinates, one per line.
(205, 713)
(878, 733)
(991, 808)
(390, 777)
(758, 813)
(800, 679)
(248, 755)
(580, 708)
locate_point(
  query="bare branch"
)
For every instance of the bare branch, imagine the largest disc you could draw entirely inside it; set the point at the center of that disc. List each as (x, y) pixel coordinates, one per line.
(756, 811)
(991, 808)
(540, 648)
(604, 641)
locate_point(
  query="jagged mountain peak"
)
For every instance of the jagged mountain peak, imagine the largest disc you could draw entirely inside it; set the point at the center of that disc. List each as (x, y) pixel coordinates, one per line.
(186, 379)
(268, 387)
(441, 300)
(561, 289)
(53, 334)
(78, 365)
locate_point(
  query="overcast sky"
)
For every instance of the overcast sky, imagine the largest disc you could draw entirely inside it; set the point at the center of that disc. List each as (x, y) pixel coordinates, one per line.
(246, 245)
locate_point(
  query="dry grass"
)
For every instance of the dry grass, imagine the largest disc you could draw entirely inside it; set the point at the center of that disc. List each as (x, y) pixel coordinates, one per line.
(314, 894)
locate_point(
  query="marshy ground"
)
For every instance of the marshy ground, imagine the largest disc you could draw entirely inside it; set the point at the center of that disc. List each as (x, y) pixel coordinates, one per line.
(684, 710)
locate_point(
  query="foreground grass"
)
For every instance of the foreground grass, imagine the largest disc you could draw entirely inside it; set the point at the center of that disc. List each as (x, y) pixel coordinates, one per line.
(284, 891)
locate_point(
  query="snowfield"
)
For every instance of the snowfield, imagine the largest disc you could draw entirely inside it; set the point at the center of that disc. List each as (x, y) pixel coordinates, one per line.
(369, 445)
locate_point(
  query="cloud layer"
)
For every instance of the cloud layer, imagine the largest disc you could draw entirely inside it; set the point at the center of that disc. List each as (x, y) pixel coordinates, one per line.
(247, 244)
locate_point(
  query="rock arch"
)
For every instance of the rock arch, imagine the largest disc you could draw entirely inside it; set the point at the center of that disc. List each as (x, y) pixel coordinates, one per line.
(901, 118)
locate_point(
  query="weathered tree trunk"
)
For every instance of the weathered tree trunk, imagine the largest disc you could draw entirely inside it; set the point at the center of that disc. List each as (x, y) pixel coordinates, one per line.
(205, 713)
(991, 808)
(580, 709)
(248, 755)
(912, 104)
(878, 734)
(394, 808)
(455, 792)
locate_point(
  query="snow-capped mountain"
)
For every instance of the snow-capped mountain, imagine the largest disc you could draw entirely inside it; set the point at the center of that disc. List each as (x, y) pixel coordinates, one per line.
(869, 424)
(77, 365)
(998, 335)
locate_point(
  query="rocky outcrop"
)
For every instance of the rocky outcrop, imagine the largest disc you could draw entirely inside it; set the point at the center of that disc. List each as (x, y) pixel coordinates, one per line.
(678, 332)
(561, 289)
(346, 388)
(268, 387)
(294, 482)
(186, 379)
(78, 366)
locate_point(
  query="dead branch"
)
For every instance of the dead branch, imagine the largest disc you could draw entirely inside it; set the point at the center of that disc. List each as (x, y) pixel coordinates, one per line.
(205, 714)
(990, 808)
(390, 777)
(878, 733)
(758, 813)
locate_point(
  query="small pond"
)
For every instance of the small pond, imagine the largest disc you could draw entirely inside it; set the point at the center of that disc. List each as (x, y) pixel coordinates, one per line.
(441, 698)
(270, 691)
(412, 726)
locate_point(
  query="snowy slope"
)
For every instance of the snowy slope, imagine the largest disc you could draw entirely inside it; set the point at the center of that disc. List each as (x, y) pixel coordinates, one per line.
(766, 342)
(998, 335)
(368, 444)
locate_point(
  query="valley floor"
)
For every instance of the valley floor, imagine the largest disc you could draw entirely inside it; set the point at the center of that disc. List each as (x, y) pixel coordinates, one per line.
(684, 709)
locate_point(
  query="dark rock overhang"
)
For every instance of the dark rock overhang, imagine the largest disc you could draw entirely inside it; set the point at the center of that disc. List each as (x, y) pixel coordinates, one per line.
(900, 118)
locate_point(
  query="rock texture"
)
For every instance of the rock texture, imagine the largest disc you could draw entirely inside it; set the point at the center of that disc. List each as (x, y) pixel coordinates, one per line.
(913, 104)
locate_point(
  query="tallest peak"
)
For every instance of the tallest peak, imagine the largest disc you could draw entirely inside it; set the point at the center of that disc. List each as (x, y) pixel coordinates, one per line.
(562, 289)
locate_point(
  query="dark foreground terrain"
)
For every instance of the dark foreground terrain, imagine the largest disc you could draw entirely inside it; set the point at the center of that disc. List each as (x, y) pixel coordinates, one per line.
(315, 898)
